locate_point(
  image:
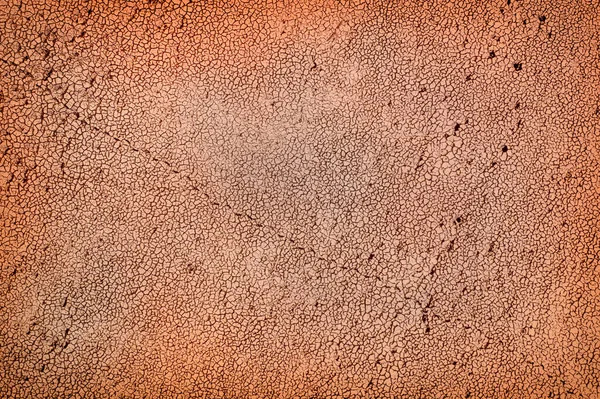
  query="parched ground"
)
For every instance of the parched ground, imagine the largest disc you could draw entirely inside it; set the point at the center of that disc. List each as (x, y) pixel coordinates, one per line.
(301, 199)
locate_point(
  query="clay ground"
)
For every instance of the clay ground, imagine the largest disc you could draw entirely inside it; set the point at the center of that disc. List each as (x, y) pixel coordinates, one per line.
(300, 199)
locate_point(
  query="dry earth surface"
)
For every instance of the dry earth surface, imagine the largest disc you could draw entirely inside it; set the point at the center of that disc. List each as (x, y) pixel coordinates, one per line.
(300, 199)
